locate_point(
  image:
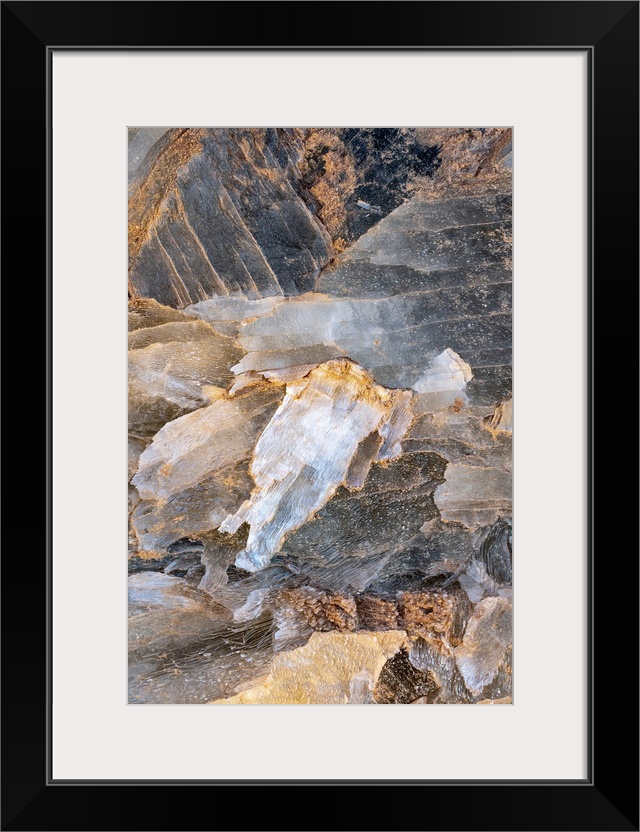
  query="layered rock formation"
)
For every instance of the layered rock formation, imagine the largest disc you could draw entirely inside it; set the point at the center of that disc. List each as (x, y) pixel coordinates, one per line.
(320, 416)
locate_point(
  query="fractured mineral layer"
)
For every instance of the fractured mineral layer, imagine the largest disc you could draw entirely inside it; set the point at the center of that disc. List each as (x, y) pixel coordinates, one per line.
(320, 416)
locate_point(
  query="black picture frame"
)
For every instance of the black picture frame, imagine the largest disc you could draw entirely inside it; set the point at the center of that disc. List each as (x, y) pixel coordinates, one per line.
(608, 798)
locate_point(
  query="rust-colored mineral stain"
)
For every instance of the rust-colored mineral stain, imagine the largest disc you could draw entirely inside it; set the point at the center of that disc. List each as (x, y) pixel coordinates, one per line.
(146, 200)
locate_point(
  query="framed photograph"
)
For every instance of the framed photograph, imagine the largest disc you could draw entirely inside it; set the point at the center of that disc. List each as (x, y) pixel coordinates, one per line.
(336, 295)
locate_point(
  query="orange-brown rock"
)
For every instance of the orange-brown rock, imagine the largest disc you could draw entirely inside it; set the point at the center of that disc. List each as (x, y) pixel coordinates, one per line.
(427, 614)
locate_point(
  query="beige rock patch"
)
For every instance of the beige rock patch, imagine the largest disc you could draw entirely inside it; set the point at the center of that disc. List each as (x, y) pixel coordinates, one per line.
(331, 669)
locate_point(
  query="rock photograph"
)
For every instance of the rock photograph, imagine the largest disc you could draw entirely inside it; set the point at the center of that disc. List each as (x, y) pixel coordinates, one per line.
(320, 415)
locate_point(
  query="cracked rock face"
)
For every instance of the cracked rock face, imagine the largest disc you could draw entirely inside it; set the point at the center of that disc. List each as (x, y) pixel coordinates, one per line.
(320, 416)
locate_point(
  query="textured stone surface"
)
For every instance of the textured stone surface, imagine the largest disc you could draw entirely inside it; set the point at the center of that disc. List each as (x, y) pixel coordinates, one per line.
(217, 212)
(395, 338)
(486, 640)
(290, 488)
(358, 175)
(320, 416)
(474, 496)
(196, 469)
(401, 683)
(332, 668)
(174, 368)
(439, 271)
(184, 648)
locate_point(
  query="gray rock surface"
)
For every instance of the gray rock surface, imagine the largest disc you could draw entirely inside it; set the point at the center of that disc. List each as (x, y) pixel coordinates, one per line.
(217, 213)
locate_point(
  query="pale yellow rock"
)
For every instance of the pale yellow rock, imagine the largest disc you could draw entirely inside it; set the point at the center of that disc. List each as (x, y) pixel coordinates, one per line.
(505, 700)
(331, 669)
